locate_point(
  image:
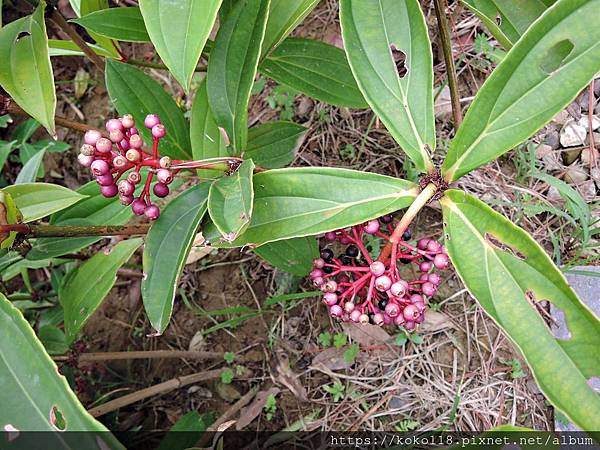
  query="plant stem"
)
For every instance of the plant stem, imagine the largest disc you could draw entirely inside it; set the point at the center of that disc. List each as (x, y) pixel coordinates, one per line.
(152, 354)
(75, 231)
(440, 12)
(591, 102)
(70, 31)
(416, 206)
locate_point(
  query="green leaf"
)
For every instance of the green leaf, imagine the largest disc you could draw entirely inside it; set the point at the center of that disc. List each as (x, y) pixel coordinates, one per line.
(230, 201)
(134, 92)
(168, 244)
(122, 24)
(291, 255)
(305, 201)
(187, 431)
(273, 145)
(316, 69)
(540, 75)
(232, 67)
(53, 339)
(508, 272)
(179, 29)
(284, 16)
(26, 73)
(376, 33)
(85, 7)
(80, 297)
(37, 200)
(29, 172)
(34, 396)
(6, 147)
(23, 132)
(207, 141)
(59, 47)
(9, 214)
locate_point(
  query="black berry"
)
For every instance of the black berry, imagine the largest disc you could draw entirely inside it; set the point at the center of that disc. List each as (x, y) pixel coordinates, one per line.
(386, 219)
(382, 304)
(405, 260)
(327, 269)
(346, 260)
(407, 235)
(352, 251)
(326, 254)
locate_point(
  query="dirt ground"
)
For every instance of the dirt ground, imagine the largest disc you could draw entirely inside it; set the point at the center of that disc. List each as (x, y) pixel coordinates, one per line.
(464, 374)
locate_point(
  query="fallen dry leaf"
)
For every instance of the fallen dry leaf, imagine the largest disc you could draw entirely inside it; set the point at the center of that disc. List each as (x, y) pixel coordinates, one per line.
(331, 359)
(366, 334)
(254, 409)
(198, 251)
(282, 373)
(435, 321)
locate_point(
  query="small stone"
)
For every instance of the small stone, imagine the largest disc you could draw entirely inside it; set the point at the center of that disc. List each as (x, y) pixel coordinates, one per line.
(587, 189)
(569, 156)
(554, 195)
(586, 153)
(228, 393)
(576, 175)
(585, 122)
(595, 174)
(552, 139)
(572, 134)
(561, 118)
(305, 106)
(548, 156)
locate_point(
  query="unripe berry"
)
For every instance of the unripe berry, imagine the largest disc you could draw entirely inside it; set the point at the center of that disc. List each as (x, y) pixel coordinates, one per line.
(399, 320)
(399, 288)
(119, 161)
(330, 286)
(434, 246)
(152, 212)
(355, 315)
(331, 236)
(164, 176)
(114, 124)
(429, 289)
(411, 312)
(91, 137)
(165, 162)
(441, 261)
(378, 319)
(109, 191)
(425, 266)
(383, 283)
(387, 320)
(136, 141)
(105, 180)
(161, 190)
(377, 268)
(159, 131)
(435, 279)
(318, 281)
(363, 318)
(116, 136)
(409, 325)
(151, 120)
(138, 206)
(133, 155)
(134, 177)
(125, 144)
(422, 244)
(336, 311)
(420, 306)
(103, 145)
(318, 263)
(126, 199)
(316, 273)
(133, 131)
(87, 150)
(349, 307)
(330, 298)
(99, 167)
(85, 161)
(128, 121)
(416, 298)
(372, 226)
(424, 277)
(126, 188)
(392, 309)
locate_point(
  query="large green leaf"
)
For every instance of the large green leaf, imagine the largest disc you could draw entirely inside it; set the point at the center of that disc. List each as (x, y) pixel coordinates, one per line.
(304, 201)
(508, 272)
(85, 7)
(284, 16)
(134, 92)
(557, 56)
(123, 24)
(167, 246)
(59, 47)
(376, 34)
(29, 172)
(80, 297)
(230, 201)
(25, 72)
(232, 68)
(37, 200)
(291, 255)
(273, 145)
(317, 69)
(35, 397)
(179, 29)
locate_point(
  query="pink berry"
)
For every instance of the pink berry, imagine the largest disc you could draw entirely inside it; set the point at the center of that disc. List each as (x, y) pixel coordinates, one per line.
(105, 180)
(91, 137)
(392, 310)
(318, 281)
(363, 318)
(116, 136)
(133, 131)
(409, 325)
(336, 311)
(387, 320)
(378, 319)
(104, 145)
(399, 288)
(331, 236)
(422, 244)
(164, 176)
(87, 150)
(411, 312)
(383, 283)
(355, 315)
(136, 141)
(330, 298)
(316, 273)
(441, 261)
(109, 191)
(151, 120)
(165, 162)
(420, 306)
(125, 144)
(161, 190)
(126, 199)
(138, 207)
(429, 289)
(152, 212)
(318, 263)
(425, 266)
(114, 124)
(127, 121)
(100, 167)
(435, 279)
(344, 240)
(159, 131)
(133, 155)
(134, 177)
(330, 286)
(349, 307)
(434, 246)
(399, 320)
(372, 226)
(126, 188)
(85, 161)
(119, 161)
(416, 298)
(377, 268)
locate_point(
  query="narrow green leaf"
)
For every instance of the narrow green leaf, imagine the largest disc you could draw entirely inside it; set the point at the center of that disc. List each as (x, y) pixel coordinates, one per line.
(316, 69)
(122, 24)
(540, 75)
(377, 35)
(305, 201)
(80, 297)
(167, 246)
(134, 92)
(9, 214)
(284, 16)
(37, 200)
(230, 201)
(85, 7)
(6, 147)
(59, 47)
(29, 172)
(53, 339)
(187, 431)
(508, 273)
(232, 68)
(35, 396)
(26, 73)
(273, 145)
(291, 255)
(179, 29)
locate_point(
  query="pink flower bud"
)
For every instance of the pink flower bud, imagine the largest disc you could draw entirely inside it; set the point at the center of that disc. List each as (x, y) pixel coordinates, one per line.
(159, 131)
(103, 145)
(91, 137)
(136, 141)
(114, 124)
(100, 167)
(372, 226)
(151, 120)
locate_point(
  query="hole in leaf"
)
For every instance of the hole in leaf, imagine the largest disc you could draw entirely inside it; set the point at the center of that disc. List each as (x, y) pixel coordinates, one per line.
(556, 56)
(594, 383)
(399, 60)
(560, 328)
(11, 432)
(57, 420)
(498, 20)
(503, 246)
(541, 306)
(22, 34)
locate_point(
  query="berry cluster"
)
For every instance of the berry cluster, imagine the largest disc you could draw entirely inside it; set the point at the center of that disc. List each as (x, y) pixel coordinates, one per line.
(358, 288)
(110, 158)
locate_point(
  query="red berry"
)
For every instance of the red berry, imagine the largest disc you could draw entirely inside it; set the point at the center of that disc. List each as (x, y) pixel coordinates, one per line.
(318, 263)
(138, 206)
(152, 212)
(392, 309)
(87, 150)
(85, 161)
(127, 121)
(165, 162)
(100, 167)
(422, 244)
(378, 319)
(349, 307)
(331, 236)
(399, 288)
(330, 286)
(316, 273)
(116, 136)
(91, 137)
(151, 120)
(133, 155)
(119, 161)
(134, 177)
(377, 268)
(411, 312)
(126, 188)
(355, 315)
(336, 311)
(136, 141)
(383, 283)
(434, 246)
(159, 131)
(126, 199)
(103, 145)
(114, 125)
(429, 289)
(425, 266)
(105, 180)
(164, 176)
(109, 191)
(161, 190)
(330, 298)
(435, 279)
(372, 226)
(441, 261)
